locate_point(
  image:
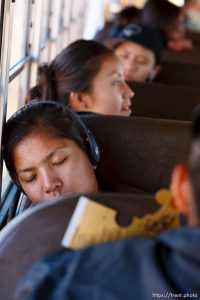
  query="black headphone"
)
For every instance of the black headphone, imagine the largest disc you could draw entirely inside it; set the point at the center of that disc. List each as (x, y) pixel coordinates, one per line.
(92, 148)
(93, 151)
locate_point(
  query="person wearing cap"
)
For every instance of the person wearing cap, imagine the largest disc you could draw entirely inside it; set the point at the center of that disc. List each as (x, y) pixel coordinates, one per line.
(140, 48)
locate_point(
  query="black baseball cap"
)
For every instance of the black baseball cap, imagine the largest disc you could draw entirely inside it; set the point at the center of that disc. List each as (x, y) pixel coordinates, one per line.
(140, 34)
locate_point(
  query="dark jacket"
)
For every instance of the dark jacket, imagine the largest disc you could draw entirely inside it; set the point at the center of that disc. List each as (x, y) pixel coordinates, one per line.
(142, 269)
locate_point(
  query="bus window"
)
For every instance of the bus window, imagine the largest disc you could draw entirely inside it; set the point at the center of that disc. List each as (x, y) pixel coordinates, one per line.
(20, 21)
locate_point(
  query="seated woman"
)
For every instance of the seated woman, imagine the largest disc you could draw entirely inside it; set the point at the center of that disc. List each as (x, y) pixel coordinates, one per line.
(49, 152)
(140, 48)
(88, 77)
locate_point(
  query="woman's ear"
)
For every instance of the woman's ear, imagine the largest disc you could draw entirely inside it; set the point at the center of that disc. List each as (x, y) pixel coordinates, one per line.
(181, 189)
(80, 101)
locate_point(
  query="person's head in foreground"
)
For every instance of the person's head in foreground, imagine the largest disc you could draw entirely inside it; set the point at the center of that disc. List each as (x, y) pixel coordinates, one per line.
(139, 47)
(185, 179)
(88, 77)
(49, 152)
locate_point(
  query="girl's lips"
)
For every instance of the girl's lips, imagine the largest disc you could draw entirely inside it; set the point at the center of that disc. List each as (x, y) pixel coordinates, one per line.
(127, 111)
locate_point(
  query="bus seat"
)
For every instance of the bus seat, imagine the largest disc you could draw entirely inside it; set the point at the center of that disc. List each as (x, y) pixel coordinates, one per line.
(194, 36)
(179, 74)
(38, 232)
(138, 153)
(185, 57)
(163, 101)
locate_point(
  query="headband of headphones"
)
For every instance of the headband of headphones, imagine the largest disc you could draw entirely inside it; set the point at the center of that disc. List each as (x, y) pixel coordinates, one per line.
(93, 151)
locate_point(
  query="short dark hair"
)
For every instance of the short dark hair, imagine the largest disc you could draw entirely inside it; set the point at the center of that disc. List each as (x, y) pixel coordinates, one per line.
(127, 15)
(73, 70)
(159, 14)
(51, 116)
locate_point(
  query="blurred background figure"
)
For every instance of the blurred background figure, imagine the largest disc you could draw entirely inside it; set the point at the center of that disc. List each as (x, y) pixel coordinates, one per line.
(127, 15)
(192, 8)
(169, 19)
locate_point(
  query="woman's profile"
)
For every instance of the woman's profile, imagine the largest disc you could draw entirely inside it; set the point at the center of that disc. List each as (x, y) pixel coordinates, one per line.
(86, 76)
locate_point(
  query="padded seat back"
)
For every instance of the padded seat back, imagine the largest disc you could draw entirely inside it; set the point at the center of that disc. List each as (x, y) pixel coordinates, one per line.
(179, 74)
(157, 100)
(194, 36)
(183, 57)
(38, 232)
(138, 153)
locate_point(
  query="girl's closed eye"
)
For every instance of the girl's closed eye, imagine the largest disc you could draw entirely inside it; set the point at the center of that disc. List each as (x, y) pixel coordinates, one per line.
(59, 161)
(141, 61)
(124, 55)
(29, 179)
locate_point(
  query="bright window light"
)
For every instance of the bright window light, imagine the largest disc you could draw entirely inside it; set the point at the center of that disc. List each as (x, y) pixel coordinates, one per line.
(177, 2)
(138, 3)
(114, 8)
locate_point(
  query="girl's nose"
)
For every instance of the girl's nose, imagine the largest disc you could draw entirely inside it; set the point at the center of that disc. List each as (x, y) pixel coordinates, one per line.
(51, 183)
(128, 92)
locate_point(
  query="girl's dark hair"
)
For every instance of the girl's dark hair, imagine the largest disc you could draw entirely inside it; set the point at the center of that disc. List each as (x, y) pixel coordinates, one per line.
(73, 70)
(34, 93)
(48, 115)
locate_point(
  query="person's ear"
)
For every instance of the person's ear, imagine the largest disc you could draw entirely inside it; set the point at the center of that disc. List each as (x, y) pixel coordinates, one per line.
(80, 101)
(181, 189)
(154, 72)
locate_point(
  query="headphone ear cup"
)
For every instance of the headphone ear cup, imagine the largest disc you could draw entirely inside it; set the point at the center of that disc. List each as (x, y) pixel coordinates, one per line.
(93, 149)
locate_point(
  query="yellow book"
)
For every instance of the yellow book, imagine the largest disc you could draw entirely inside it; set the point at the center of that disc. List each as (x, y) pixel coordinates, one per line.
(94, 223)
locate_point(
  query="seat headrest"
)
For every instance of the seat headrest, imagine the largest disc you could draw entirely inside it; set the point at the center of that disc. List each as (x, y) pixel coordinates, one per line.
(38, 232)
(163, 101)
(139, 153)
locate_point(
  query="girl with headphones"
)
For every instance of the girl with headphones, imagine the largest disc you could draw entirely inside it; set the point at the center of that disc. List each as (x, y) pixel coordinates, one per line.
(49, 151)
(86, 76)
